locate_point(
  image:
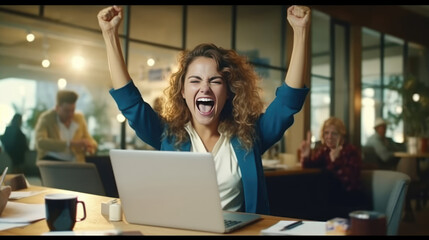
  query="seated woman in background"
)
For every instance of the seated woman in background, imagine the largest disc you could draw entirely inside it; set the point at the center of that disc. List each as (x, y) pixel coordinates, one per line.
(341, 164)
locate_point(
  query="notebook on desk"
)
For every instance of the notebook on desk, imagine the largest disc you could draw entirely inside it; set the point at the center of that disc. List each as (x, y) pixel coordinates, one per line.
(172, 189)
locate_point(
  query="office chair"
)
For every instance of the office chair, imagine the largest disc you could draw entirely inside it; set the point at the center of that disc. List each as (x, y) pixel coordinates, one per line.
(387, 190)
(74, 176)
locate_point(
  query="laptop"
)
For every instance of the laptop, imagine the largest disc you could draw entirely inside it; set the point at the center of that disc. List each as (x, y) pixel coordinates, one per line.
(173, 189)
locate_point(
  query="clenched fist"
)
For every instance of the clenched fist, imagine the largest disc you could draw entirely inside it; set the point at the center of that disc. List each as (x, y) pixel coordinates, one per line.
(109, 18)
(299, 16)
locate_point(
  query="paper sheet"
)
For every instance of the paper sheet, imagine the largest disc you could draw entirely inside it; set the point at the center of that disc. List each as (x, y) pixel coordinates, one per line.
(18, 195)
(307, 228)
(22, 213)
(5, 226)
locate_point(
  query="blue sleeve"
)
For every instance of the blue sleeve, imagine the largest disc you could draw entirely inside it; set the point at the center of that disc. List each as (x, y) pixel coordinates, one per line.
(278, 117)
(140, 115)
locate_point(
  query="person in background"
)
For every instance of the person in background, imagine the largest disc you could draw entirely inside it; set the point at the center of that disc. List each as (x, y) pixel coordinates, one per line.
(61, 133)
(384, 146)
(15, 144)
(341, 163)
(213, 104)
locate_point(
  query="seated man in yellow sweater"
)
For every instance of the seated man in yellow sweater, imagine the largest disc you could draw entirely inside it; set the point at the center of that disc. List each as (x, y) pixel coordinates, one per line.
(61, 133)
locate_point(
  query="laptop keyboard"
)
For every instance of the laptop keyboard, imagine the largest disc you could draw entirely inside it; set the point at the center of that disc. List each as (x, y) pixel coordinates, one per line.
(229, 223)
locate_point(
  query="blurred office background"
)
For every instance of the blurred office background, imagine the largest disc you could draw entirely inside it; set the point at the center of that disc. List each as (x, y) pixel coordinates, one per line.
(356, 52)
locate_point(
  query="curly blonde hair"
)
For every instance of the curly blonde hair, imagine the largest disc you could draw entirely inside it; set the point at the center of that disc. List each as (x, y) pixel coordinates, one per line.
(339, 126)
(242, 108)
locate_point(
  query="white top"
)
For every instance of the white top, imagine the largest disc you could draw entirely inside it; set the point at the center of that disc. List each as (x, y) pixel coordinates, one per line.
(227, 169)
(66, 134)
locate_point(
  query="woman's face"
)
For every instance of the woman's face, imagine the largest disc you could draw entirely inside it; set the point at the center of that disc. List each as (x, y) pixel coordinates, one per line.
(204, 91)
(331, 136)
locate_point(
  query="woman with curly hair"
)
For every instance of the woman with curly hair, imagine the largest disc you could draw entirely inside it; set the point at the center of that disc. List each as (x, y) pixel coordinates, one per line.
(213, 104)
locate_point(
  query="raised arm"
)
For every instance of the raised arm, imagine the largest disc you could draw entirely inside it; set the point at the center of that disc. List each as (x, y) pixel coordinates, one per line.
(109, 20)
(299, 18)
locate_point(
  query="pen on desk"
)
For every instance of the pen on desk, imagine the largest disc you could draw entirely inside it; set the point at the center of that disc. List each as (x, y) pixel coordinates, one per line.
(3, 176)
(292, 225)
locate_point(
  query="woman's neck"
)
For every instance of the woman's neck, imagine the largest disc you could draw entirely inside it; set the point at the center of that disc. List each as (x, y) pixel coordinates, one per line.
(209, 135)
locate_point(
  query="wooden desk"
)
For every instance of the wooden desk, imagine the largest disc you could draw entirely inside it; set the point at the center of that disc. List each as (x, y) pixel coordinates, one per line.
(412, 155)
(96, 221)
(292, 170)
(419, 156)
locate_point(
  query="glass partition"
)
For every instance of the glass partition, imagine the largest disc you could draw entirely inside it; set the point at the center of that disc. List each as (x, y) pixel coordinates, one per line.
(259, 34)
(320, 105)
(160, 24)
(382, 64)
(202, 29)
(77, 61)
(77, 15)
(371, 81)
(321, 77)
(392, 99)
(30, 9)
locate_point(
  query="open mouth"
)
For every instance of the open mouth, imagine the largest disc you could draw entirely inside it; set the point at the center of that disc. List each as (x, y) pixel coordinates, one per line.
(205, 105)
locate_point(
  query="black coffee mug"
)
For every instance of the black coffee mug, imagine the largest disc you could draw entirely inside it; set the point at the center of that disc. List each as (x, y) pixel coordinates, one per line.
(61, 211)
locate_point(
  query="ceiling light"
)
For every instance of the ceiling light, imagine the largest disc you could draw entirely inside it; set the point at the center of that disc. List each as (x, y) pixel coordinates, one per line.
(150, 62)
(46, 63)
(120, 118)
(78, 62)
(416, 97)
(398, 109)
(30, 37)
(62, 83)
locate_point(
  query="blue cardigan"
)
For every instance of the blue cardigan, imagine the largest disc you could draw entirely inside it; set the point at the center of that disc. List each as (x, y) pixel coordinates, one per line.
(270, 128)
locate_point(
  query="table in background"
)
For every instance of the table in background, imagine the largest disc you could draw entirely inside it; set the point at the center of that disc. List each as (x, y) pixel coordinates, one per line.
(416, 155)
(95, 221)
(419, 156)
(291, 170)
(422, 186)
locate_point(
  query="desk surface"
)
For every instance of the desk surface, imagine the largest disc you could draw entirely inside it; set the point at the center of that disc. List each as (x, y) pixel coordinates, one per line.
(95, 221)
(415, 155)
(292, 170)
